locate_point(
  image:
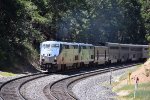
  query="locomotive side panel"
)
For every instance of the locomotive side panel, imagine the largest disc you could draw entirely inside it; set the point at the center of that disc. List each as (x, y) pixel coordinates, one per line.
(69, 55)
(86, 53)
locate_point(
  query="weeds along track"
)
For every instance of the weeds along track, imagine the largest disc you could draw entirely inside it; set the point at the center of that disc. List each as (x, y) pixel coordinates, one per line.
(10, 90)
(62, 89)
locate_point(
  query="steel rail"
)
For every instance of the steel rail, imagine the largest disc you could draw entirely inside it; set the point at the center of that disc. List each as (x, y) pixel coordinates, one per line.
(53, 93)
(12, 91)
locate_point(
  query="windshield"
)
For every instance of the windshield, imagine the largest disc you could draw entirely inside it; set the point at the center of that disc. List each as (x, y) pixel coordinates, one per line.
(55, 45)
(46, 46)
(49, 46)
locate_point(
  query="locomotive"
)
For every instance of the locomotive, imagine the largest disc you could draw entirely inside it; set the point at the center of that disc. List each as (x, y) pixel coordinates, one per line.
(55, 55)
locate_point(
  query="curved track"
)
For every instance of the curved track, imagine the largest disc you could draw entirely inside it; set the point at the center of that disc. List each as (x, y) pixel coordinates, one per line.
(61, 90)
(11, 89)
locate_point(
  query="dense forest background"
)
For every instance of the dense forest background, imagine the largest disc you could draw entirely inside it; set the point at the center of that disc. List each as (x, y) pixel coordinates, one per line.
(26, 23)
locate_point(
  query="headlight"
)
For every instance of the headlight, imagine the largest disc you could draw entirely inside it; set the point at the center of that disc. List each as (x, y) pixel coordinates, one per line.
(55, 59)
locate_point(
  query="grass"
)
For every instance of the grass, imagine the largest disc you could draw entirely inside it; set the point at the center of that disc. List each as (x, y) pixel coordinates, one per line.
(142, 93)
(6, 74)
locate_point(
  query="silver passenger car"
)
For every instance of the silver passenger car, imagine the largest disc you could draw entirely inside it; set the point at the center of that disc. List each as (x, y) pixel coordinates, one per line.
(124, 52)
(135, 52)
(114, 52)
(101, 55)
(145, 51)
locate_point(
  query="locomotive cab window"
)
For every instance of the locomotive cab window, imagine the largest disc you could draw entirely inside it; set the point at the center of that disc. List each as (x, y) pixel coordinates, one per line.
(91, 47)
(75, 47)
(46, 46)
(55, 45)
(84, 47)
(66, 46)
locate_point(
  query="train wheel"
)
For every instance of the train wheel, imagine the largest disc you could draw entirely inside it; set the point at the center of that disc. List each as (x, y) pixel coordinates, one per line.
(75, 66)
(78, 65)
(96, 64)
(109, 61)
(106, 63)
(90, 64)
(54, 68)
(49, 67)
(82, 65)
(62, 67)
(65, 67)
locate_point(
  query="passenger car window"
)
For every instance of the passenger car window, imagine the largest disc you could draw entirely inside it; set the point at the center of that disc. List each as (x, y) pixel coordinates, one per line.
(114, 47)
(125, 48)
(136, 49)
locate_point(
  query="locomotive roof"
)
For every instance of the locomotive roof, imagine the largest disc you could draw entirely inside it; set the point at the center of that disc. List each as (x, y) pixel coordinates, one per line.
(101, 46)
(67, 43)
(83, 44)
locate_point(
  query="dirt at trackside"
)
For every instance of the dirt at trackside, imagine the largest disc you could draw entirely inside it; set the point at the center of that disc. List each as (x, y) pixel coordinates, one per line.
(143, 73)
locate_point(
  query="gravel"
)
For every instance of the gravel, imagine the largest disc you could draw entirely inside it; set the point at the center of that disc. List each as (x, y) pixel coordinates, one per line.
(97, 87)
(33, 90)
(4, 79)
(92, 88)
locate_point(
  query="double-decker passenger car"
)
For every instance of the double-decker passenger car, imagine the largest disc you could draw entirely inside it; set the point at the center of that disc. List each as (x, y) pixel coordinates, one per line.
(124, 52)
(135, 52)
(145, 51)
(101, 55)
(114, 52)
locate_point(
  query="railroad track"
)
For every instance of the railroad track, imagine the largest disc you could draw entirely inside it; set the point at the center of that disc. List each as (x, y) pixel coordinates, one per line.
(10, 90)
(61, 89)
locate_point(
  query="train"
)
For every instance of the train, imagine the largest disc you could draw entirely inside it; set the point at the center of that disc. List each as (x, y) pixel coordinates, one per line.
(60, 56)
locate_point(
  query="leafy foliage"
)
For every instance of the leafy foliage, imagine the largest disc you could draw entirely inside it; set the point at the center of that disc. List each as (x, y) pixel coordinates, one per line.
(26, 23)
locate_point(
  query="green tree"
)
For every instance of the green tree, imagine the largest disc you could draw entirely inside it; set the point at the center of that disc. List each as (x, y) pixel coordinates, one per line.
(133, 22)
(145, 12)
